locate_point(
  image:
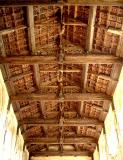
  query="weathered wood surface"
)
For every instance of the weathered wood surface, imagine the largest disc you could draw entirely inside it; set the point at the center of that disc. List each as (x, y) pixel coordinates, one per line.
(93, 59)
(67, 97)
(66, 122)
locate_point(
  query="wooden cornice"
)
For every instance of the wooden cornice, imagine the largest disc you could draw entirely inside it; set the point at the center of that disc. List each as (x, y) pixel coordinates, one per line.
(54, 140)
(93, 59)
(60, 153)
(66, 97)
(66, 122)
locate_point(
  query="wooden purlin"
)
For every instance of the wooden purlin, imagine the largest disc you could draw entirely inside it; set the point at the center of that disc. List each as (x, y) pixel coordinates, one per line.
(65, 71)
(2, 47)
(7, 31)
(84, 76)
(119, 51)
(31, 30)
(42, 110)
(115, 31)
(90, 30)
(37, 75)
(80, 111)
(75, 15)
(32, 44)
(73, 22)
(61, 129)
(19, 76)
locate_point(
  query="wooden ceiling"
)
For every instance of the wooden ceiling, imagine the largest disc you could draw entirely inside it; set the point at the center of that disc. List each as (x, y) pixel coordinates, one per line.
(61, 66)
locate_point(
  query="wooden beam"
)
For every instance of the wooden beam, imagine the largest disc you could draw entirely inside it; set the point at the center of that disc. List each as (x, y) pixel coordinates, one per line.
(31, 30)
(7, 31)
(119, 51)
(67, 97)
(19, 76)
(74, 27)
(64, 87)
(115, 31)
(74, 22)
(54, 140)
(66, 122)
(93, 59)
(60, 153)
(2, 47)
(42, 109)
(90, 31)
(37, 75)
(32, 45)
(84, 76)
(59, 3)
(65, 71)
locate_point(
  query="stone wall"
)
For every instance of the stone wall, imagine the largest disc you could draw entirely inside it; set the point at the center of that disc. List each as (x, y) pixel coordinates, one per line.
(11, 140)
(110, 144)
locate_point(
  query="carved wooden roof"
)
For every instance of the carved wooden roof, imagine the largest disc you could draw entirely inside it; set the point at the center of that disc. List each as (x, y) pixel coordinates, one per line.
(62, 65)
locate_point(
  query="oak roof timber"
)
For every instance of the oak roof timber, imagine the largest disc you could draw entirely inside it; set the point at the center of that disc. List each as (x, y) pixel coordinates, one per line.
(66, 97)
(92, 59)
(55, 122)
(54, 140)
(62, 64)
